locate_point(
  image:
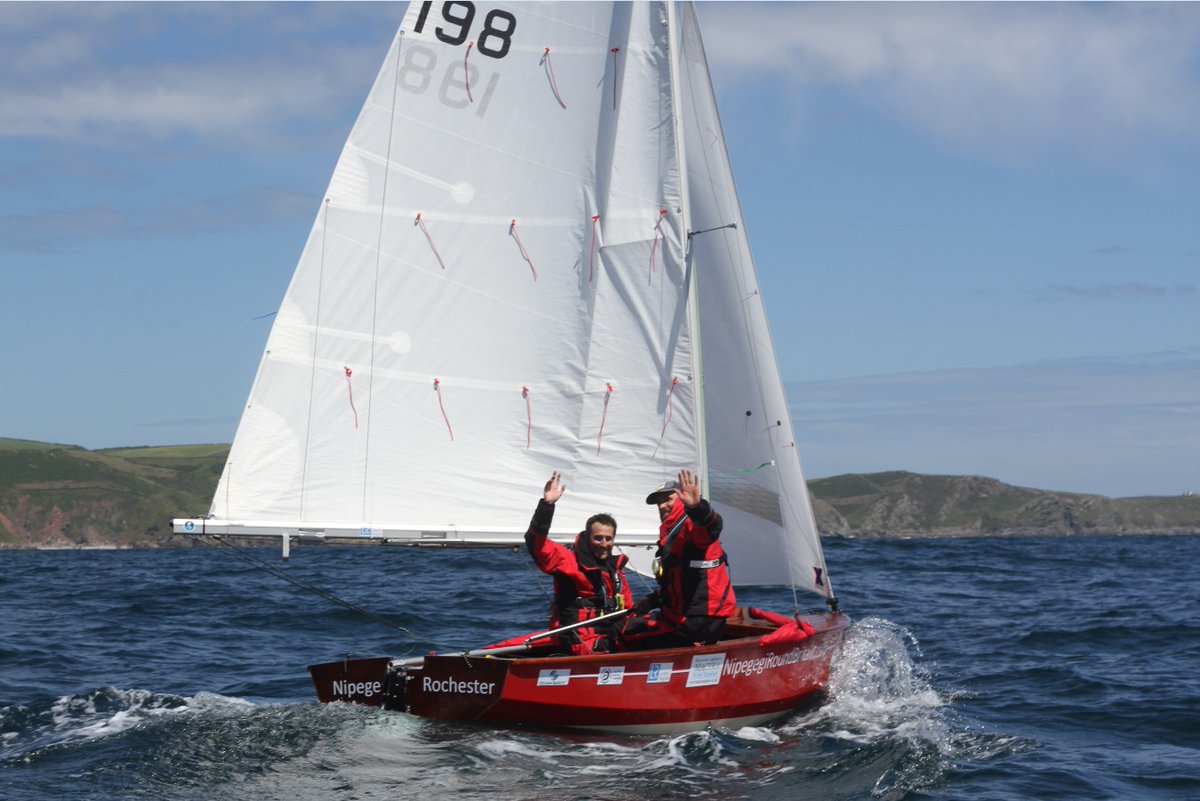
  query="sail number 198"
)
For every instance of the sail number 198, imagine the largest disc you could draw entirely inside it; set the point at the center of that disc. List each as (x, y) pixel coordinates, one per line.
(493, 40)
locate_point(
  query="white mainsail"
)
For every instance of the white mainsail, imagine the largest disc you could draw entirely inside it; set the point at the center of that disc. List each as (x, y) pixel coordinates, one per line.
(500, 283)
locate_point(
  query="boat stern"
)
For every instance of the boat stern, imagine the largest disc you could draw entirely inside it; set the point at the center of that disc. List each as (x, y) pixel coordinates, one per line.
(369, 682)
(455, 687)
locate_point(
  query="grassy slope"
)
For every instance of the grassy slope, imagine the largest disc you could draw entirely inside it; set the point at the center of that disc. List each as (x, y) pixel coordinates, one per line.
(62, 496)
(909, 503)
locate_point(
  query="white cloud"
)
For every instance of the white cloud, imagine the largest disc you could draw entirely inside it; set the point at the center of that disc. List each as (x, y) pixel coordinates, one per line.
(128, 74)
(1006, 77)
(1003, 76)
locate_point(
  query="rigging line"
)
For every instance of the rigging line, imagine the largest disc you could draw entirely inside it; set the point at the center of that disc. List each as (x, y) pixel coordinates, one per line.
(647, 587)
(387, 161)
(528, 417)
(592, 258)
(233, 551)
(312, 375)
(537, 580)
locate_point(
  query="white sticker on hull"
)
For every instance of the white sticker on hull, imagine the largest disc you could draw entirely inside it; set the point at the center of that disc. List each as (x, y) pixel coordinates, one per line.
(611, 675)
(660, 672)
(553, 678)
(705, 670)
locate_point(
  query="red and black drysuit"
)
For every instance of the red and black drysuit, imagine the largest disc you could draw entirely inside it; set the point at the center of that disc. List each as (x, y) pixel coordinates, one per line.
(694, 593)
(583, 587)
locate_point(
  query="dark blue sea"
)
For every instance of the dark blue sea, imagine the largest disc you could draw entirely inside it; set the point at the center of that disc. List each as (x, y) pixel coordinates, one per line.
(999, 669)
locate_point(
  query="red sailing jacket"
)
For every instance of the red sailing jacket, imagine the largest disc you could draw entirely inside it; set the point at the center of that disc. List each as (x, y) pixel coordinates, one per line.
(694, 572)
(583, 588)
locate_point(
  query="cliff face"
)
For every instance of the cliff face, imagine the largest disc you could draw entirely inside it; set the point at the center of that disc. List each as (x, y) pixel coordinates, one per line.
(56, 496)
(901, 504)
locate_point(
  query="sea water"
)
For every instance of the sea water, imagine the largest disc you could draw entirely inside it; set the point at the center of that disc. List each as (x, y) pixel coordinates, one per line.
(1000, 669)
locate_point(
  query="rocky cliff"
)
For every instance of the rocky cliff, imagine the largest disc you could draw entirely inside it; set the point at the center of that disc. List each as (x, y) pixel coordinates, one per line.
(901, 504)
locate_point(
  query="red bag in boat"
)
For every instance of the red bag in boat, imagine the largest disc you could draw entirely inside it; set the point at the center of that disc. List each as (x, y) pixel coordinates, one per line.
(790, 629)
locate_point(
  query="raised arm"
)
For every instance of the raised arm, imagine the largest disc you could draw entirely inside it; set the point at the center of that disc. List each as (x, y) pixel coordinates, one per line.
(547, 554)
(708, 522)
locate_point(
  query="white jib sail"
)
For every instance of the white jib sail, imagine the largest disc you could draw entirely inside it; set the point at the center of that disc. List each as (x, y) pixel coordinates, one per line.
(754, 472)
(497, 286)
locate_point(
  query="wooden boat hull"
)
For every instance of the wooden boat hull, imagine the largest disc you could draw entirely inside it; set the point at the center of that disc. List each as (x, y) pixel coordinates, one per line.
(736, 682)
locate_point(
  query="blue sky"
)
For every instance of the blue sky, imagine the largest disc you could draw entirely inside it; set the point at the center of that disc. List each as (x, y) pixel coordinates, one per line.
(977, 226)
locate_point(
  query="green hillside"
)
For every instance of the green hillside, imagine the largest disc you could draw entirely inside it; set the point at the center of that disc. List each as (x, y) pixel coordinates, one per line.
(914, 505)
(63, 496)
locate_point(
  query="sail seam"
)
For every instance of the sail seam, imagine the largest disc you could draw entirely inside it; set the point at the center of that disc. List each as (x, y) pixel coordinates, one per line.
(378, 261)
(312, 377)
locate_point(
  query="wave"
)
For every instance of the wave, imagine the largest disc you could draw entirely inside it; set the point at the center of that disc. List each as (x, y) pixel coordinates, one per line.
(884, 730)
(898, 733)
(31, 730)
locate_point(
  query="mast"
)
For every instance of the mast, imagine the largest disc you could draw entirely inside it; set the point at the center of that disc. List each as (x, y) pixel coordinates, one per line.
(675, 40)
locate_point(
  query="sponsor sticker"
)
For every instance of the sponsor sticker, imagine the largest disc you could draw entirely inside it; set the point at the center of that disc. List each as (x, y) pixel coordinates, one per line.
(553, 677)
(660, 673)
(705, 670)
(611, 675)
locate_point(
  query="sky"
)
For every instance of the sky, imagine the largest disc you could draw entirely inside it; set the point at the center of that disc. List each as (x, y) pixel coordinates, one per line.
(976, 226)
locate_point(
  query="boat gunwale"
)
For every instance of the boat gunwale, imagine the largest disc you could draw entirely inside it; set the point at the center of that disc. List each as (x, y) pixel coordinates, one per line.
(838, 621)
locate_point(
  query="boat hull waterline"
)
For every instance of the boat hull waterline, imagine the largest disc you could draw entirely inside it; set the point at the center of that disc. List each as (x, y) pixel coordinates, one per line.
(737, 682)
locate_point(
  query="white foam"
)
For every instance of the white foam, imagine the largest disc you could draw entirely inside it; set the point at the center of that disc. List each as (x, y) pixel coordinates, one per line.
(110, 711)
(877, 689)
(757, 733)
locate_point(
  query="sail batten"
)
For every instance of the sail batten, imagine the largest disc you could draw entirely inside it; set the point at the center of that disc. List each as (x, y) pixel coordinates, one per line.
(501, 284)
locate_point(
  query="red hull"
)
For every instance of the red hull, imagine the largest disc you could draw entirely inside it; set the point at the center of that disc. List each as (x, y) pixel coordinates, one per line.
(737, 682)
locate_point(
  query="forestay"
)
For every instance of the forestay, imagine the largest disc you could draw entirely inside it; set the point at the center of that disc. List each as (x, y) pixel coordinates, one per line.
(511, 274)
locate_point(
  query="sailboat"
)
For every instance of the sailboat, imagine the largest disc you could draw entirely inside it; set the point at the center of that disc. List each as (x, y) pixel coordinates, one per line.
(531, 258)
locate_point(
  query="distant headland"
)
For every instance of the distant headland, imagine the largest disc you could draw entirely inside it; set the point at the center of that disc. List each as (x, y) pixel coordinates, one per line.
(64, 496)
